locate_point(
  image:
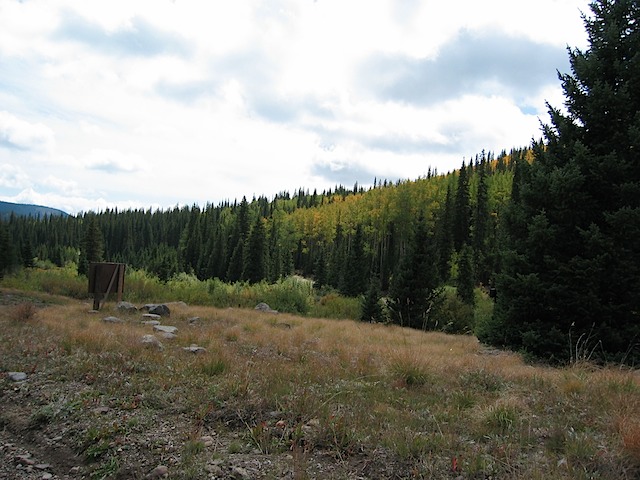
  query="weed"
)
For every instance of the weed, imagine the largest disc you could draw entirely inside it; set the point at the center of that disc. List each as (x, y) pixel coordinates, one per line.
(23, 312)
(410, 373)
(107, 469)
(501, 418)
(213, 367)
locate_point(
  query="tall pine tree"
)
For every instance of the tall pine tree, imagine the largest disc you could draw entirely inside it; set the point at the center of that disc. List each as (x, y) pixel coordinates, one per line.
(572, 268)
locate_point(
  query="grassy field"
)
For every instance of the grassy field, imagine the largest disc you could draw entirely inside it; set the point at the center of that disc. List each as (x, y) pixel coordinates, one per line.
(282, 396)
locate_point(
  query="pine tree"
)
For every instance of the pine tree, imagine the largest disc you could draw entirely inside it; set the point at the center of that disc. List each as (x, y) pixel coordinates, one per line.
(6, 250)
(371, 308)
(462, 210)
(255, 259)
(572, 267)
(92, 245)
(465, 281)
(415, 290)
(356, 270)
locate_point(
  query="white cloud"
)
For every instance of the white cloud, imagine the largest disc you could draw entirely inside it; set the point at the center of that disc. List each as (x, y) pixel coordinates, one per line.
(19, 134)
(114, 161)
(13, 177)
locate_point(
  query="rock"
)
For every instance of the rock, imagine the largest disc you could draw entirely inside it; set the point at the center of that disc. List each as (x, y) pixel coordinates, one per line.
(168, 336)
(240, 473)
(263, 307)
(151, 341)
(161, 471)
(207, 440)
(151, 316)
(151, 322)
(161, 309)
(165, 328)
(112, 320)
(194, 320)
(126, 307)
(194, 349)
(47, 476)
(101, 410)
(17, 376)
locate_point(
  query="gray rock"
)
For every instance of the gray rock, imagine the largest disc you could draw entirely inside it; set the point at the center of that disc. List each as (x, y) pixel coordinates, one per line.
(17, 376)
(126, 307)
(168, 336)
(112, 320)
(151, 316)
(161, 471)
(165, 328)
(193, 348)
(162, 309)
(194, 320)
(150, 322)
(151, 341)
(263, 307)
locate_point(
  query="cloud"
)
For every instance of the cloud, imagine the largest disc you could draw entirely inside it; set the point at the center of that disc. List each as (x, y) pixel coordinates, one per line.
(18, 134)
(113, 161)
(13, 177)
(489, 64)
(137, 38)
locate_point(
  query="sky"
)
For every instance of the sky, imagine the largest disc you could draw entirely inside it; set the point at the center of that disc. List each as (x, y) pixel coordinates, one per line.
(158, 103)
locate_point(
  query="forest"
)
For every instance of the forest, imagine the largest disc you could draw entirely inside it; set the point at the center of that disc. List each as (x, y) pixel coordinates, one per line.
(553, 230)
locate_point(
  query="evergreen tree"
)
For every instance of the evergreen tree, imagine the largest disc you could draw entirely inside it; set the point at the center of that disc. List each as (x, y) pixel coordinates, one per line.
(572, 268)
(481, 222)
(356, 270)
(92, 245)
(6, 249)
(465, 281)
(237, 243)
(462, 210)
(415, 290)
(255, 259)
(444, 236)
(371, 308)
(27, 254)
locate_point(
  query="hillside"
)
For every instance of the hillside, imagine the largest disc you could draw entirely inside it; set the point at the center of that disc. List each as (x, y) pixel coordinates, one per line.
(281, 396)
(25, 210)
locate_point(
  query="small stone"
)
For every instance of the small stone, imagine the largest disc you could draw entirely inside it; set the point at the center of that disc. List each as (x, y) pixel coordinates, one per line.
(168, 336)
(101, 410)
(207, 440)
(151, 316)
(150, 322)
(214, 470)
(42, 466)
(194, 349)
(165, 328)
(47, 476)
(194, 320)
(25, 459)
(112, 320)
(17, 376)
(161, 471)
(151, 341)
(240, 473)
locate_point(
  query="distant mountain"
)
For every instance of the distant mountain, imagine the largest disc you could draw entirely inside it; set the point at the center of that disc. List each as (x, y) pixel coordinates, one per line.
(23, 210)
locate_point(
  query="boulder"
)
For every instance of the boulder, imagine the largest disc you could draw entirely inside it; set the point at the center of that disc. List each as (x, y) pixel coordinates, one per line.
(165, 329)
(158, 309)
(126, 307)
(263, 307)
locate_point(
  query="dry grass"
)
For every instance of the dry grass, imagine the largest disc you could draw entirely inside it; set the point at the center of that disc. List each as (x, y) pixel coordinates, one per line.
(380, 401)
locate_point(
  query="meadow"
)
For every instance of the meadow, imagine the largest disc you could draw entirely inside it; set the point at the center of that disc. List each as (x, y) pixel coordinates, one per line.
(300, 397)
